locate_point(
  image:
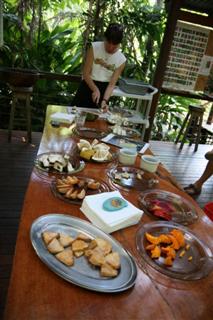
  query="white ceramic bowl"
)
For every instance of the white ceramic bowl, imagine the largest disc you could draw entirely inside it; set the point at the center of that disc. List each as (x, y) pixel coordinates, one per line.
(149, 163)
(127, 156)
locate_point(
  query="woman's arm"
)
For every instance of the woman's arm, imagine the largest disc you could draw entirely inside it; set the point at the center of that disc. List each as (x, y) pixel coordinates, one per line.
(87, 75)
(111, 85)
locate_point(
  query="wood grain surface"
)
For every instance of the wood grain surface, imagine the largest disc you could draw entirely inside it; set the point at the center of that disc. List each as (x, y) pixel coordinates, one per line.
(35, 292)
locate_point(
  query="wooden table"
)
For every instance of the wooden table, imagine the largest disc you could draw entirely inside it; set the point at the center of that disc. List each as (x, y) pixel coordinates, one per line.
(37, 293)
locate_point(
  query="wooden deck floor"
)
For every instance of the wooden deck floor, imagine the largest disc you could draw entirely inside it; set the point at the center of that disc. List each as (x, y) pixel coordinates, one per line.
(186, 165)
(16, 163)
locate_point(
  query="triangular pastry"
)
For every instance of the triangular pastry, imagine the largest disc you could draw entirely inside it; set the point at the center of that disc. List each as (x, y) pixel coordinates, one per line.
(113, 259)
(108, 271)
(49, 236)
(97, 258)
(105, 246)
(65, 240)
(66, 257)
(84, 237)
(79, 245)
(54, 246)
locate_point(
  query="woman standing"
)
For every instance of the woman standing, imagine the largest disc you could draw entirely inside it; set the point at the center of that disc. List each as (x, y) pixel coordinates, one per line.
(103, 65)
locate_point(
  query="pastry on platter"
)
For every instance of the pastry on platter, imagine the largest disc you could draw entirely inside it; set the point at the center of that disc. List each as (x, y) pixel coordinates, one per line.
(108, 271)
(65, 240)
(54, 246)
(49, 236)
(66, 257)
(98, 251)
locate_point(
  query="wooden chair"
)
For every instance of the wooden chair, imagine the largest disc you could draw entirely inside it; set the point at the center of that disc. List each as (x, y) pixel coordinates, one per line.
(23, 94)
(192, 125)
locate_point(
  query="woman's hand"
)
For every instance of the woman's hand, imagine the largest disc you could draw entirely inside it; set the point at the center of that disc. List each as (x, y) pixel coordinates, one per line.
(104, 106)
(96, 96)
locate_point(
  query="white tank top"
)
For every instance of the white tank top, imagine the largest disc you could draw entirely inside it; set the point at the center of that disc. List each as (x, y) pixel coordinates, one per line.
(104, 63)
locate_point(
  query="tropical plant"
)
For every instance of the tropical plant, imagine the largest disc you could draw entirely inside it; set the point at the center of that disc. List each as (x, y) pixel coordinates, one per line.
(53, 36)
(169, 117)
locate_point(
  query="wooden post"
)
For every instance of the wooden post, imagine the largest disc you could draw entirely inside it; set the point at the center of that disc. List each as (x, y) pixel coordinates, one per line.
(1, 23)
(173, 14)
(210, 117)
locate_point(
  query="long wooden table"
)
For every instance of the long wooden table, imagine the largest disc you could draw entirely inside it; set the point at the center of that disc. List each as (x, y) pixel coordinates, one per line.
(35, 292)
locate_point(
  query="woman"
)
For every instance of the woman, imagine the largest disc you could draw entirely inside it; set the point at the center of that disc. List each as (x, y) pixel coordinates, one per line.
(103, 66)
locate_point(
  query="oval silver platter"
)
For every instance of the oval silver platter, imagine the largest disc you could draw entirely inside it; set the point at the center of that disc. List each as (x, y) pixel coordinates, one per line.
(82, 273)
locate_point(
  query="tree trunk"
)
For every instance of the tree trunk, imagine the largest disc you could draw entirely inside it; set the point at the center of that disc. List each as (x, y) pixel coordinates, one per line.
(149, 48)
(87, 30)
(32, 24)
(39, 25)
(1, 24)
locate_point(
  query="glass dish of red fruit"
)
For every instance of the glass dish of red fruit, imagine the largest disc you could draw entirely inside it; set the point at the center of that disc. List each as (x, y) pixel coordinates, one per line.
(168, 206)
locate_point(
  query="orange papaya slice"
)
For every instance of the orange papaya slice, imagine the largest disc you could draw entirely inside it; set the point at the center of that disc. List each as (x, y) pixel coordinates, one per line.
(169, 251)
(168, 261)
(179, 236)
(150, 246)
(156, 252)
(152, 239)
(163, 238)
(175, 244)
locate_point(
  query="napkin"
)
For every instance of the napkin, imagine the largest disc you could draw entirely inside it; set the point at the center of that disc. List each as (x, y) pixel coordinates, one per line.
(62, 117)
(109, 221)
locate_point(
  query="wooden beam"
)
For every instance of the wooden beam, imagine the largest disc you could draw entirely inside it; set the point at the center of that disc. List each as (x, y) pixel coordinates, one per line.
(59, 76)
(172, 18)
(196, 18)
(186, 94)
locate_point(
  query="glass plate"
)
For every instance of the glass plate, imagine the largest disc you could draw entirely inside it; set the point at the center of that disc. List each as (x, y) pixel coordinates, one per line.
(91, 133)
(202, 259)
(130, 133)
(103, 188)
(122, 112)
(179, 209)
(81, 273)
(132, 181)
(51, 169)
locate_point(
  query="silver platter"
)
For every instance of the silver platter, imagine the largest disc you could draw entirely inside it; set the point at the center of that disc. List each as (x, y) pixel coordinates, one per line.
(82, 274)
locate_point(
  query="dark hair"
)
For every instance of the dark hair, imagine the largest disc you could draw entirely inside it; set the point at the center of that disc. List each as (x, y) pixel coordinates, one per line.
(114, 33)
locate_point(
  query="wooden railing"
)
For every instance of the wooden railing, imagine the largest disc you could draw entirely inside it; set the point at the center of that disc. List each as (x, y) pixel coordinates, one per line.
(60, 76)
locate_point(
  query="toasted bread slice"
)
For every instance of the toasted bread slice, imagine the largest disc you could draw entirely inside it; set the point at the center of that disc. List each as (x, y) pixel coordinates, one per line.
(54, 246)
(66, 257)
(104, 245)
(65, 240)
(79, 245)
(108, 271)
(92, 244)
(97, 259)
(84, 237)
(49, 236)
(113, 259)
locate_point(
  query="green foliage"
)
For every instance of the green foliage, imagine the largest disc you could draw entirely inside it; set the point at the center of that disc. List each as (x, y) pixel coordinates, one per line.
(52, 36)
(169, 117)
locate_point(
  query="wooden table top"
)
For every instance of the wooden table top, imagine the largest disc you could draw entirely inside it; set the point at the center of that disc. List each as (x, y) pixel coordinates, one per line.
(35, 292)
